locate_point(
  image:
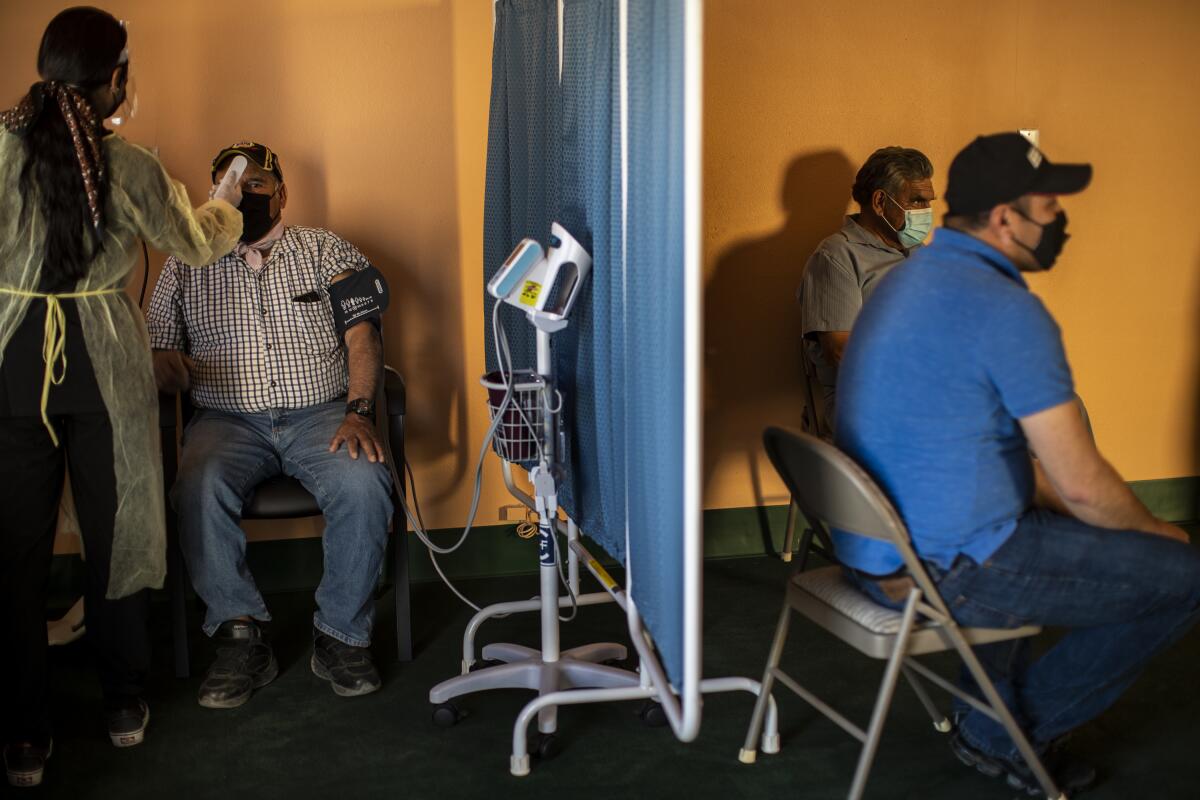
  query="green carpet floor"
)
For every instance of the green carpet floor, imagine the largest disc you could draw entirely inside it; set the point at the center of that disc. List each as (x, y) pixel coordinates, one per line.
(295, 739)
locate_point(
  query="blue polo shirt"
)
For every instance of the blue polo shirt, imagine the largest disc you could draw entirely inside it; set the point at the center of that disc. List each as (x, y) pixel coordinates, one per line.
(950, 351)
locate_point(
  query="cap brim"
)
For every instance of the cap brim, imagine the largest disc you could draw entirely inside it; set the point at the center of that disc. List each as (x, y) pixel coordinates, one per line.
(229, 153)
(1062, 179)
(256, 159)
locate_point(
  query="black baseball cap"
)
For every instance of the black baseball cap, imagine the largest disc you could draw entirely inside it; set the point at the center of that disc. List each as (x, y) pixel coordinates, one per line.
(254, 152)
(1001, 167)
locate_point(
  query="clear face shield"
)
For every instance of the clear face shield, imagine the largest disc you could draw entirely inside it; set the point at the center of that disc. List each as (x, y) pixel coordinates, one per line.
(127, 109)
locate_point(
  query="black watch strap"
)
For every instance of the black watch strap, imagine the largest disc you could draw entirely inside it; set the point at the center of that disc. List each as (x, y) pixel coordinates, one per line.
(363, 407)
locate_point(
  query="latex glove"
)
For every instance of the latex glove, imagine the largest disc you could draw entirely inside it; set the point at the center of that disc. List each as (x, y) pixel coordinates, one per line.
(230, 189)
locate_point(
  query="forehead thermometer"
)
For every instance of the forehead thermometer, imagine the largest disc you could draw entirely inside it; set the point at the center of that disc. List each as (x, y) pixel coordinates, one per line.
(234, 173)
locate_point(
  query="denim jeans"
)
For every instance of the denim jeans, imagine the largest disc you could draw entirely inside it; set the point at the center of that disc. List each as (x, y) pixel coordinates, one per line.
(225, 455)
(1123, 597)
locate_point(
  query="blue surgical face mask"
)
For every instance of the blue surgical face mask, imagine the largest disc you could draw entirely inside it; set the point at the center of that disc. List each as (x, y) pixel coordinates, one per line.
(918, 222)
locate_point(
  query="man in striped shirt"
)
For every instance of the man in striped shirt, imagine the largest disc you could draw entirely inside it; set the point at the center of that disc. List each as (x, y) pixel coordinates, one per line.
(277, 390)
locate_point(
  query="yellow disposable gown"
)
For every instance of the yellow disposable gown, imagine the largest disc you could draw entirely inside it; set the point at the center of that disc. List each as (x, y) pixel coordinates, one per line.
(143, 202)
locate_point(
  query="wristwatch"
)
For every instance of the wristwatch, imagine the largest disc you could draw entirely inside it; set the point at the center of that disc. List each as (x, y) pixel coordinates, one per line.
(363, 407)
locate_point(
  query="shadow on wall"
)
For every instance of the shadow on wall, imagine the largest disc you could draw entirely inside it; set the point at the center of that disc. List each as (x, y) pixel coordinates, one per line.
(752, 322)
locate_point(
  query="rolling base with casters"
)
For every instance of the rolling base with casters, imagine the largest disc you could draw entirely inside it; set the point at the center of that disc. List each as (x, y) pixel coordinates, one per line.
(547, 671)
(519, 760)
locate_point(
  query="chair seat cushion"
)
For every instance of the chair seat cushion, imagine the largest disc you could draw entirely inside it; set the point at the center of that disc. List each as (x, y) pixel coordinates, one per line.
(831, 586)
(280, 497)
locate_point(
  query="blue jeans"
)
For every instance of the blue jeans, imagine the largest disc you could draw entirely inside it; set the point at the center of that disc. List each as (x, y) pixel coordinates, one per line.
(1124, 596)
(225, 455)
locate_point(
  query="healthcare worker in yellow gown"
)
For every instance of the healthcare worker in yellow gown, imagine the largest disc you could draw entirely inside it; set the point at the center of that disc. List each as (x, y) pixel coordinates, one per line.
(77, 390)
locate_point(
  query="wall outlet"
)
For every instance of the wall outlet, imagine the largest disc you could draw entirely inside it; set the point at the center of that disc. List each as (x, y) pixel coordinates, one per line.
(513, 512)
(1033, 135)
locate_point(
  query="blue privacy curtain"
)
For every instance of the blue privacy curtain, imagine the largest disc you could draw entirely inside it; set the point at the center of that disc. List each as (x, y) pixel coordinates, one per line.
(590, 353)
(554, 153)
(521, 190)
(654, 322)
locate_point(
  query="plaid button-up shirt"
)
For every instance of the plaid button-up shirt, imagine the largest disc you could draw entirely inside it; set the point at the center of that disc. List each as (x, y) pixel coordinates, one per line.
(259, 339)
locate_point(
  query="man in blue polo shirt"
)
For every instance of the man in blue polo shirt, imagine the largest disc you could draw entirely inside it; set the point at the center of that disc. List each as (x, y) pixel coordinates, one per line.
(955, 373)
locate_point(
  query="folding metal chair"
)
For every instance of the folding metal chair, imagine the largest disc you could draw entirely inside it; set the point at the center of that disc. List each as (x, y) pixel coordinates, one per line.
(834, 492)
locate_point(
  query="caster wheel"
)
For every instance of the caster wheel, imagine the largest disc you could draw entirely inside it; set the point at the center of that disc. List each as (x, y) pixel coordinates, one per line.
(652, 714)
(447, 715)
(545, 746)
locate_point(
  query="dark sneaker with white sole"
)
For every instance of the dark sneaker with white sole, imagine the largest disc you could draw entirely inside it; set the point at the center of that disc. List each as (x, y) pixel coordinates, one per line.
(25, 763)
(244, 663)
(348, 669)
(127, 721)
(1070, 775)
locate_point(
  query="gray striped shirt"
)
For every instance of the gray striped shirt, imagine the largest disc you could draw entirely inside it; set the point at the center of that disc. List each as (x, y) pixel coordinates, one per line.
(838, 279)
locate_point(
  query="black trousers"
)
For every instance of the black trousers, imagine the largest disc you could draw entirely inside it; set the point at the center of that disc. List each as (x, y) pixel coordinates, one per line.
(31, 481)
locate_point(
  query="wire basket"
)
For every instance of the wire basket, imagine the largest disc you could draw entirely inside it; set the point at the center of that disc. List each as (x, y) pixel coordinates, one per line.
(521, 433)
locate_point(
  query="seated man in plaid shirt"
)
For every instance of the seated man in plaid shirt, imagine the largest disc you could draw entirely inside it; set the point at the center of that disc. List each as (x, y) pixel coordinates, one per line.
(277, 390)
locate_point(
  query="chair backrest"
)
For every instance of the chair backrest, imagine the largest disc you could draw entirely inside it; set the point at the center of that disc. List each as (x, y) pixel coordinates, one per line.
(826, 483)
(829, 486)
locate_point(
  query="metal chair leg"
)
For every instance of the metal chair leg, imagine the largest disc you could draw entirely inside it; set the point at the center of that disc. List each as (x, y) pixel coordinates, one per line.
(1003, 715)
(401, 568)
(789, 534)
(941, 722)
(883, 703)
(750, 747)
(403, 599)
(177, 584)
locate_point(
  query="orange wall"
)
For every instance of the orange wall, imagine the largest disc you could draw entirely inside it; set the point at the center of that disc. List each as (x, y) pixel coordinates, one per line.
(378, 109)
(798, 93)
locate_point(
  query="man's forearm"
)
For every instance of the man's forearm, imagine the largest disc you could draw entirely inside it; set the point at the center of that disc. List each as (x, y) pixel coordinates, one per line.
(1112, 504)
(1044, 493)
(1092, 491)
(365, 360)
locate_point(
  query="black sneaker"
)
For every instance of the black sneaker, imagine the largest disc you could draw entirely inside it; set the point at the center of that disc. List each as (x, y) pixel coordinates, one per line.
(25, 763)
(127, 722)
(244, 663)
(349, 669)
(1071, 775)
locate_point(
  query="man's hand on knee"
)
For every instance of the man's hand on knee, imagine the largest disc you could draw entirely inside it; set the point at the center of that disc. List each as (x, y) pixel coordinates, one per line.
(172, 371)
(357, 432)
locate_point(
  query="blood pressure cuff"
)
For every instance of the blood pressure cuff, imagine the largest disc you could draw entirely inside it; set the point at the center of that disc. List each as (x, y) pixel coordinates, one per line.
(360, 297)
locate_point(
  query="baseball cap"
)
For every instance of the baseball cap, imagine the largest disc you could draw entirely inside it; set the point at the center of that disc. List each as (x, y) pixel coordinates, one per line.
(1001, 167)
(254, 152)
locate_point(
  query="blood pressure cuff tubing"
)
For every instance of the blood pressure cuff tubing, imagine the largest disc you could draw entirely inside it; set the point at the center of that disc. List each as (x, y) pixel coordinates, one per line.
(360, 297)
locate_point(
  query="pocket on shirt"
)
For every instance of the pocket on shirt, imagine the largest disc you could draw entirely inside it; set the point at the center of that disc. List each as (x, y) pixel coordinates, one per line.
(315, 323)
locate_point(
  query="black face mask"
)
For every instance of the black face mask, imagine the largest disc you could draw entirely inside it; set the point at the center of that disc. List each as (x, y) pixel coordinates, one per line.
(1054, 236)
(256, 216)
